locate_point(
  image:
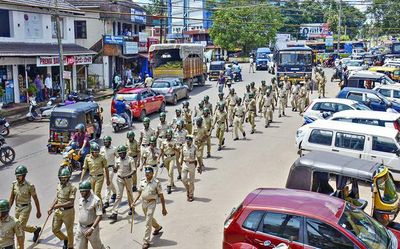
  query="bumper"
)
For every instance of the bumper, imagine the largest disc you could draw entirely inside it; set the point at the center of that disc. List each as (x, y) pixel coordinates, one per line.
(262, 66)
(169, 98)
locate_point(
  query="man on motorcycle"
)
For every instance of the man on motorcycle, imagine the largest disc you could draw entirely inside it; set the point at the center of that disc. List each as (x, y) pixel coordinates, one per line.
(122, 109)
(70, 100)
(237, 70)
(82, 138)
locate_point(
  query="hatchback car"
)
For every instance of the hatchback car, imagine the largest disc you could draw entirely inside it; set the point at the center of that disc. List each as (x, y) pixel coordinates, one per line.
(172, 89)
(392, 92)
(142, 101)
(303, 220)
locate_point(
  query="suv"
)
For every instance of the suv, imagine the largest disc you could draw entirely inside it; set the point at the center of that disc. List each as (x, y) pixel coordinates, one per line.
(303, 220)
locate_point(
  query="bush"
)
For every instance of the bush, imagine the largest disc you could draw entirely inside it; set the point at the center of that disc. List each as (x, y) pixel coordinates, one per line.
(32, 90)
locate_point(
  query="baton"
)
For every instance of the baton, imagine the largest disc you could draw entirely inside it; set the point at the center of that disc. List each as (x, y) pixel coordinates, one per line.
(41, 231)
(129, 196)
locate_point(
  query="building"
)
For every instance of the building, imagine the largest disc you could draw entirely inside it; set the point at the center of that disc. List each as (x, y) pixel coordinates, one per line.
(28, 46)
(116, 31)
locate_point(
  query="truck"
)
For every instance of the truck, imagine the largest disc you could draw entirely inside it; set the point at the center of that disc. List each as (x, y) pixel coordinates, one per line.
(183, 61)
(262, 58)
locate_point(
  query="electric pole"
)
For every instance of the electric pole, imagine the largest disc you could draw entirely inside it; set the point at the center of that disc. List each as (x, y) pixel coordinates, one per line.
(339, 26)
(60, 52)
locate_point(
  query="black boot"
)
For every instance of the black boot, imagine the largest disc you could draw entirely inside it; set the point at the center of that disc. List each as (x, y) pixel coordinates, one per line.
(219, 148)
(36, 234)
(113, 197)
(134, 188)
(106, 204)
(235, 139)
(244, 135)
(65, 244)
(279, 116)
(113, 217)
(169, 189)
(130, 211)
(208, 155)
(179, 177)
(223, 141)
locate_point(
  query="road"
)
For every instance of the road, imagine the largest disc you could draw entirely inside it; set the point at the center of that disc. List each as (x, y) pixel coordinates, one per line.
(262, 160)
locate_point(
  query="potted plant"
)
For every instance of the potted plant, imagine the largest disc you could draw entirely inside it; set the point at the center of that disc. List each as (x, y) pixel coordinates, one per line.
(32, 90)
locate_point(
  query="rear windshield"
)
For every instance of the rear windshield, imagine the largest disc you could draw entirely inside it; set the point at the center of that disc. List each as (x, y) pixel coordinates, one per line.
(127, 96)
(162, 84)
(216, 67)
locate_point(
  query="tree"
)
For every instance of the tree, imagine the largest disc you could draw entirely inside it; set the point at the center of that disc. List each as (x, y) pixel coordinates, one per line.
(156, 7)
(385, 17)
(242, 25)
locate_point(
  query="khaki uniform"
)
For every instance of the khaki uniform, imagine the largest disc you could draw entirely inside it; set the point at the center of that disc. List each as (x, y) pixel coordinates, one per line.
(267, 108)
(220, 119)
(180, 139)
(261, 93)
(288, 87)
(124, 167)
(175, 121)
(161, 130)
(240, 112)
(302, 99)
(23, 194)
(134, 152)
(282, 100)
(200, 136)
(9, 228)
(309, 87)
(321, 80)
(150, 191)
(221, 102)
(65, 215)
(198, 111)
(88, 210)
(187, 114)
(189, 168)
(252, 113)
(209, 106)
(109, 154)
(150, 158)
(96, 167)
(295, 97)
(169, 148)
(145, 135)
(208, 123)
(231, 99)
(274, 93)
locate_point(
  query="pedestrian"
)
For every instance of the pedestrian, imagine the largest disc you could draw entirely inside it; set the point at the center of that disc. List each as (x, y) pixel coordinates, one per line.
(187, 117)
(151, 156)
(49, 86)
(281, 99)
(198, 111)
(177, 118)
(239, 113)
(162, 128)
(208, 123)
(145, 134)
(221, 119)
(207, 104)
(148, 82)
(267, 108)
(124, 168)
(321, 85)
(134, 153)
(231, 101)
(97, 166)
(274, 92)
(200, 135)
(221, 82)
(39, 87)
(180, 138)
(22, 192)
(81, 137)
(150, 189)
(168, 155)
(9, 228)
(89, 216)
(221, 100)
(288, 87)
(295, 98)
(252, 112)
(189, 161)
(63, 207)
(309, 88)
(109, 153)
(262, 90)
(251, 60)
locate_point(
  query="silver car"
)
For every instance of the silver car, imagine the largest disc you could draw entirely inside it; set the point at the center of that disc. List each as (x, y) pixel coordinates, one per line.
(172, 89)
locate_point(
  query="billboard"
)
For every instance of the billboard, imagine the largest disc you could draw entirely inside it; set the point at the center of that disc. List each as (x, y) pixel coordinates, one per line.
(314, 30)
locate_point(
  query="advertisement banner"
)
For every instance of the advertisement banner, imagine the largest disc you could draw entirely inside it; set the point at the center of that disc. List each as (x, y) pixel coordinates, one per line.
(131, 48)
(111, 39)
(314, 30)
(45, 61)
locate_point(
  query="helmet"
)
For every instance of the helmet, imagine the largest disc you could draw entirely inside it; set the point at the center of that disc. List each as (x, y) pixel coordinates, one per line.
(206, 98)
(107, 139)
(221, 94)
(94, 147)
(180, 123)
(189, 137)
(286, 77)
(178, 110)
(199, 120)
(252, 84)
(85, 186)
(122, 149)
(146, 120)
(21, 170)
(80, 127)
(263, 82)
(153, 140)
(247, 86)
(201, 104)
(232, 90)
(4, 206)
(130, 134)
(169, 132)
(64, 172)
(70, 97)
(206, 110)
(163, 115)
(120, 98)
(185, 104)
(273, 79)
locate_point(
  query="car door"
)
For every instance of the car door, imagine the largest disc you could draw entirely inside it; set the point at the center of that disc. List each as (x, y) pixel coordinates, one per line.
(356, 96)
(151, 96)
(179, 89)
(147, 102)
(377, 104)
(276, 228)
(384, 150)
(349, 144)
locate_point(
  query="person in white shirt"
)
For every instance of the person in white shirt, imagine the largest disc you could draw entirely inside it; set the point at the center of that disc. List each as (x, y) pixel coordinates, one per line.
(49, 86)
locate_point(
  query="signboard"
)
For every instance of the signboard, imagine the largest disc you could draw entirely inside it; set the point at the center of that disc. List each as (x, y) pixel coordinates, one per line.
(67, 75)
(329, 43)
(143, 47)
(283, 37)
(143, 36)
(138, 16)
(111, 50)
(314, 30)
(111, 39)
(45, 61)
(131, 48)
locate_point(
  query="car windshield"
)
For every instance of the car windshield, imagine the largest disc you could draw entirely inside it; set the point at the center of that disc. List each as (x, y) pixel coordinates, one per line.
(365, 228)
(354, 63)
(160, 84)
(386, 189)
(295, 58)
(127, 96)
(360, 107)
(262, 55)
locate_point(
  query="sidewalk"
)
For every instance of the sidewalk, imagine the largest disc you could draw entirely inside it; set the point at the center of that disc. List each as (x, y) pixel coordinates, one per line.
(15, 114)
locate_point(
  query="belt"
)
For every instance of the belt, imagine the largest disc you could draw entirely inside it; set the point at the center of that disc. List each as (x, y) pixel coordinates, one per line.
(110, 166)
(66, 208)
(86, 226)
(149, 200)
(188, 161)
(145, 145)
(123, 177)
(171, 155)
(22, 205)
(232, 105)
(96, 175)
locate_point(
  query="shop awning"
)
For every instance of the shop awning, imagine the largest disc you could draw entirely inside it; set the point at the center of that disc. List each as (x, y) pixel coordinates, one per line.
(13, 49)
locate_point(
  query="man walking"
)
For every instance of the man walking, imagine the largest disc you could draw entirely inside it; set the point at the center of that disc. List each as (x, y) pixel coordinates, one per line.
(9, 228)
(109, 153)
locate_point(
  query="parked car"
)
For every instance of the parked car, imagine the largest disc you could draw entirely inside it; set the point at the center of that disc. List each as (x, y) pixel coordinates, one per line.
(172, 89)
(324, 108)
(359, 78)
(383, 119)
(392, 72)
(373, 99)
(303, 220)
(355, 65)
(142, 101)
(373, 143)
(391, 92)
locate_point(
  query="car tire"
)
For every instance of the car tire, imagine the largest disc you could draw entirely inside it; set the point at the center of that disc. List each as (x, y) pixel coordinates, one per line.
(142, 115)
(162, 108)
(175, 100)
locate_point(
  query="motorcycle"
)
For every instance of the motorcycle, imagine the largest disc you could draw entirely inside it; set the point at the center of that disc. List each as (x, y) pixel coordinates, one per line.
(237, 77)
(119, 122)
(4, 127)
(7, 154)
(72, 158)
(35, 113)
(337, 74)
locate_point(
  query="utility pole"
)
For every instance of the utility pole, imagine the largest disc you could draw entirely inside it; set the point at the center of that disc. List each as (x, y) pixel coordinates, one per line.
(60, 52)
(340, 25)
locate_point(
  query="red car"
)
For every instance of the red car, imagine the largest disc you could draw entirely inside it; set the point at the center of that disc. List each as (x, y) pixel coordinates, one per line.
(302, 219)
(143, 101)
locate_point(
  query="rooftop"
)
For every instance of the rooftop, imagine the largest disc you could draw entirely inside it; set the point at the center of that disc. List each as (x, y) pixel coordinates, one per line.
(61, 4)
(40, 49)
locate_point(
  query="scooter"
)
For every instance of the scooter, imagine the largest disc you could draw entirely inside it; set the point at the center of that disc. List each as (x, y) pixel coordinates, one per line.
(236, 77)
(119, 122)
(35, 113)
(4, 127)
(7, 154)
(72, 158)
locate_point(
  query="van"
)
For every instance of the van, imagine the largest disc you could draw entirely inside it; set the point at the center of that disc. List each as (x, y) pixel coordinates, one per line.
(373, 143)
(383, 119)
(359, 78)
(262, 58)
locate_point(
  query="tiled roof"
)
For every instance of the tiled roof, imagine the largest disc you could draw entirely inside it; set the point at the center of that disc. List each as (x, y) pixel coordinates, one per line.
(40, 49)
(87, 3)
(62, 4)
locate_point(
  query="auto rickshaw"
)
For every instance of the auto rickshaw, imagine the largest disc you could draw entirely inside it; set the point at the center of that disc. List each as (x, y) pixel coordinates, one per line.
(392, 72)
(313, 172)
(63, 120)
(215, 68)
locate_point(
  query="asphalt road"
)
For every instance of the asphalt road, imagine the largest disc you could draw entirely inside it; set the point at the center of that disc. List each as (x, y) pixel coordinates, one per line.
(262, 160)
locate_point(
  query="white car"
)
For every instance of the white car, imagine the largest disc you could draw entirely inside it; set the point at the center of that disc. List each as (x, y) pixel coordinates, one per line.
(392, 92)
(355, 65)
(324, 108)
(384, 119)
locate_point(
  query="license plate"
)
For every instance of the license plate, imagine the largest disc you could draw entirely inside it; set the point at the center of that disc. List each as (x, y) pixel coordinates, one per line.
(7, 125)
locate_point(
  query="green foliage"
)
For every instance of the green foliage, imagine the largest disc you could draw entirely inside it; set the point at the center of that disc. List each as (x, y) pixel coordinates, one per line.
(239, 25)
(385, 17)
(32, 90)
(156, 7)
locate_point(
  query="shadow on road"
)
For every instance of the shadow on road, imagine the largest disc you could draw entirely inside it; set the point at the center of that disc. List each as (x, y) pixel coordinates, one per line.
(158, 242)
(202, 199)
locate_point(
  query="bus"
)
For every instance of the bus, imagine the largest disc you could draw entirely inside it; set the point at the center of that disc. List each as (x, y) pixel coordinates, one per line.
(345, 46)
(294, 60)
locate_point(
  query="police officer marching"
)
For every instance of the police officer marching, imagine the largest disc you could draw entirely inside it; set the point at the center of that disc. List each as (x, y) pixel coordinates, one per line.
(63, 206)
(198, 111)
(180, 139)
(150, 189)
(295, 98)
(207, 104)
(251, 109)
(208, 123)
(221, 119)
(21, 192)
(162, 128)
(240, 113)
(89, 216)
(302, 98)
(9, 228)
(178, 116)
(134, 153)
(168, 155)
(267, 107)
(281, 99)
(109, 153)
(288, 87)
(222, 100)
(145, 134)
(200, 135)
(189, 161)
(187, 117)
(262, 90)
(231, 101)
(151, 156)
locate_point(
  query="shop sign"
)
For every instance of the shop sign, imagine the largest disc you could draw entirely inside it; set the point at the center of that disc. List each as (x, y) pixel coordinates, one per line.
(143, 47)
(45, 61)
(111, 39)
(143, 36)
(138, 16)
(131, 48)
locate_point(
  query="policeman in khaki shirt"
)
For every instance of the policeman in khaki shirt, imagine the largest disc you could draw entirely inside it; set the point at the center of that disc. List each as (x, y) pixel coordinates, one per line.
(189, 162)
(124, 167)
(231, 101)
(208, 123)
(267, 107)
(97, 166)
(150, 189)
(251, 108)
(200, 134)
(151, 156)
(187, 117)
(221, 119)
(64, 209)
(180, 139)
(134, 153)
(9, 227)
(145, 134)
(168, 154)
(207, 104)
(162, 128)
(89, 216)
(239, 113)
(109, 153)
(22, 192)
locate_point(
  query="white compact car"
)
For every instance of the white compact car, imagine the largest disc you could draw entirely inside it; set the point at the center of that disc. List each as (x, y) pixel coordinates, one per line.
(392, 92)
(383, 119)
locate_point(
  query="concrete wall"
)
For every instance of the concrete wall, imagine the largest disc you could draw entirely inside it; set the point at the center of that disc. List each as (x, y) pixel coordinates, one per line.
(94, 29)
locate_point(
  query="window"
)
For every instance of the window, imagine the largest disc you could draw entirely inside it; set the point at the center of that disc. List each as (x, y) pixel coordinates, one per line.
(373, 97)
(54, 27)
(355, 96)
(349, 141)
(80, 30)
(342, 107)
(281, 225)
(384, 144)
(385, 92)
(321, 235)
(396, 94)
(5, 23)
(253, 220)
(321, 137)
(324, 106)
(176, 83)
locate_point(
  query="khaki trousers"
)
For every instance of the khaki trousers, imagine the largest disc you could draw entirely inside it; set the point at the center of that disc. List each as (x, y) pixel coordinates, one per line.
(169, 163)
(189, 127)
(220, 132)
(22, 214)
(200, 152)
(97, 184)
(267, 113)
(237, 125)
(294, 101)
(81, 241)
(67, 218)
(121, 184)
(148, 210)
(188, 176)
(230, 114)
(252, 116)
(281, 106)
(110, 189)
